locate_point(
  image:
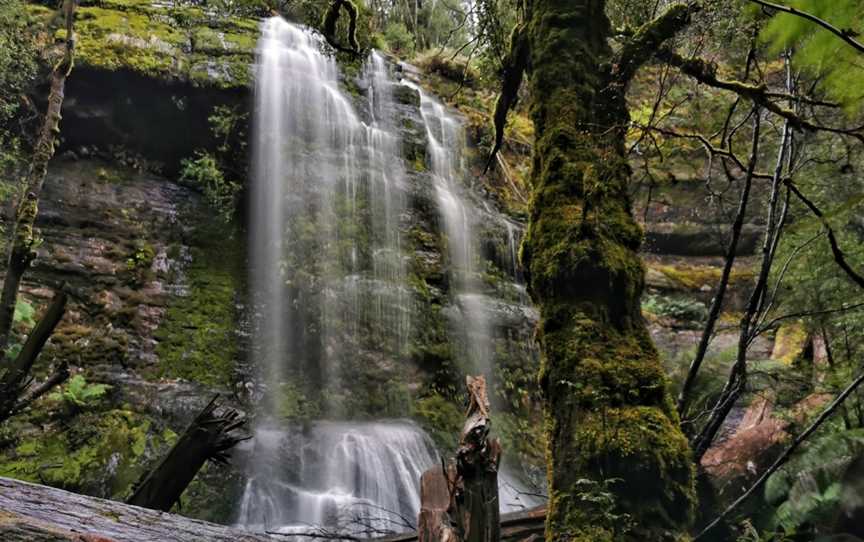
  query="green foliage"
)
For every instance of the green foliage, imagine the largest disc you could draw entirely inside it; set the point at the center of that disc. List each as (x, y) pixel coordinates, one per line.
(204, 172)
(101, 453)
(227, 122)
(675, 307)
(807, 491)
(78, 393)
(819, 51)
(142, 257)
(24, 313)
(398, 39)
(18, 66)
(601, 497)
(18, 53)
(441, 418)
(23, 320)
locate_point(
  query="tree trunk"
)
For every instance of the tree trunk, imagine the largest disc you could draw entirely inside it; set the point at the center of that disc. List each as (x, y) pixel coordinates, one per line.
(14, 382)
(609, 418)
(209, 437)
(459, 502)
(33, 513)
(21, 253)
(433, 524)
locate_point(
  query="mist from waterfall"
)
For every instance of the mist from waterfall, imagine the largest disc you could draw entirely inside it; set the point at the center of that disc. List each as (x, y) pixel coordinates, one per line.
(327, 270)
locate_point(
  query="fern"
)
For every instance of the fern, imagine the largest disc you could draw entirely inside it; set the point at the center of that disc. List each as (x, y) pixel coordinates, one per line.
(24, 313)
(807, 491)
(78, 393)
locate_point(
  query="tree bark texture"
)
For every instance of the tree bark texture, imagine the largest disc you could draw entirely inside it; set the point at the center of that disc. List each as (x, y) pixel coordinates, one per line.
(24, 240)
(459, 502)
(609, 417)
(34, 513)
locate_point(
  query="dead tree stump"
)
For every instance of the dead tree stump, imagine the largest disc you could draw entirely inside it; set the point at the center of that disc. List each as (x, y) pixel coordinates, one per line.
(459, 501)
(209, 437)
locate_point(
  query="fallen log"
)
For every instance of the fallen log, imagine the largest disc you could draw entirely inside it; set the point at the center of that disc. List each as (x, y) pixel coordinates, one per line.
(34, 513)
(524, 526)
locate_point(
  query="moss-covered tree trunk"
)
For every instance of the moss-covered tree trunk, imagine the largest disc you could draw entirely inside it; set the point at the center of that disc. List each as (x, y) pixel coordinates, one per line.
(610, 423)
(24, 239)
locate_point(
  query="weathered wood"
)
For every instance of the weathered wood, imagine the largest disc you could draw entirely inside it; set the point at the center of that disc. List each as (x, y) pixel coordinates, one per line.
(34, 513)
(459, 502)
(208, 438)
(434, 520)
(515, 527)
(477, 459)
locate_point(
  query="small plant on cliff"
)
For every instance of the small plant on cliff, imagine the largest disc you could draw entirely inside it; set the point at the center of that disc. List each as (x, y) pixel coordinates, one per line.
(204, 172)
(78, 393)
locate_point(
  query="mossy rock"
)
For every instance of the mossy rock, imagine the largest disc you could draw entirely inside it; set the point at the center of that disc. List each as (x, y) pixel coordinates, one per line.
(198, 335)
(790, 343)
(100, 453)
(174, 44)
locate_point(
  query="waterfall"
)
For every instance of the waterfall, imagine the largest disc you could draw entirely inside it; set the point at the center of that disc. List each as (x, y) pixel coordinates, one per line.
(328, 279)
(445, 140)
(327, 196)
(356, 478)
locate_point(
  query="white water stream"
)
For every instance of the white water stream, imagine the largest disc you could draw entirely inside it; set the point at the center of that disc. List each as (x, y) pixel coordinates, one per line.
(327, 262)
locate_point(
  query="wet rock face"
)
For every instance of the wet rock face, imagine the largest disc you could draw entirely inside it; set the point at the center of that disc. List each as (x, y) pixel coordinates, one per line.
(122, 241)
(108, 233)
(159, 311)
(163, 121)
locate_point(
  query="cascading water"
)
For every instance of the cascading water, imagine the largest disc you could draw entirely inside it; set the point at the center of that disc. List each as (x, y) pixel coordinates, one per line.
(327, 272)
(357, 478)
(445, 141)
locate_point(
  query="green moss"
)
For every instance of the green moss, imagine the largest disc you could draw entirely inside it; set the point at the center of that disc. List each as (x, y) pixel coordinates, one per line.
(522, 440)
(86, 346)
(790, 342)
(100, 453)
(698, 277)
(180, 43)
(441, 418)
(293, 403)
(197, 339)
(608, 413)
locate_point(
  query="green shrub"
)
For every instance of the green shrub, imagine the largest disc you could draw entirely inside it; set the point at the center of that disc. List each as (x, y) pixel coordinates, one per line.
(678, 308)
(399, 40)
(204, 172)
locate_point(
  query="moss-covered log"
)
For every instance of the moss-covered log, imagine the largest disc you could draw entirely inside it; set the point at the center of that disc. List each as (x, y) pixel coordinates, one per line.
(610, 422)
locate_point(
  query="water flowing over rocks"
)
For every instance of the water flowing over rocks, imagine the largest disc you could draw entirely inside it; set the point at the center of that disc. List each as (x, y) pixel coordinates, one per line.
(340, 194)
